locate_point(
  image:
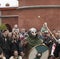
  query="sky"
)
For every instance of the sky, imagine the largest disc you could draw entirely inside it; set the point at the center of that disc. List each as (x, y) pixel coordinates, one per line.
(13, 3)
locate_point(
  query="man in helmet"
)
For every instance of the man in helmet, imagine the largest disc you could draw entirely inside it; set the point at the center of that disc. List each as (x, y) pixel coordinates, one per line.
(31, 41)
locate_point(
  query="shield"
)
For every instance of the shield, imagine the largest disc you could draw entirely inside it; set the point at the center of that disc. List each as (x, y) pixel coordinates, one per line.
(39, 52)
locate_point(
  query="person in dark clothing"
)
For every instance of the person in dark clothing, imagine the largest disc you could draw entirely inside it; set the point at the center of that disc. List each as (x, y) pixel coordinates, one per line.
(5, 43)
(47, 40)
(14, 43)
(1, 54)
(57, 51)
(1, 39)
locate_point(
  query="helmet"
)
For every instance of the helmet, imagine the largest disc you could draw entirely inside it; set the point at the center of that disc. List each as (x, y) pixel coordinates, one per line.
(33, 31)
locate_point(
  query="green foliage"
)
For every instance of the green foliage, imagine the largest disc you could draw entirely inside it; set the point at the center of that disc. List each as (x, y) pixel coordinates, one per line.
(3, 27)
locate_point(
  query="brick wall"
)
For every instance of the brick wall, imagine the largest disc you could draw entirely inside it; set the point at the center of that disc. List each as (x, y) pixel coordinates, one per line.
(30, 18)
(11, 21)
(39, 2)
(35, 17)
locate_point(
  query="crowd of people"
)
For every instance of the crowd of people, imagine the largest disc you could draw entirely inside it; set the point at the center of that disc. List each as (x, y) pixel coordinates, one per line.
(16, 44)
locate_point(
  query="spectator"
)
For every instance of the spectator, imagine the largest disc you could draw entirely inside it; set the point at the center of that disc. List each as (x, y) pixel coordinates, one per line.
(16, 43)
(15, 29)
(5, 43)
(15, 55)
(1, 54)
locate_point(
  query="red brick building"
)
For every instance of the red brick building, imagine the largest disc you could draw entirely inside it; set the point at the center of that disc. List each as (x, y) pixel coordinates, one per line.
(33, 13)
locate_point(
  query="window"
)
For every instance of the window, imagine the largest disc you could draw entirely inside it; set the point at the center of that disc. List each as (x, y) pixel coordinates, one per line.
(7, 4)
